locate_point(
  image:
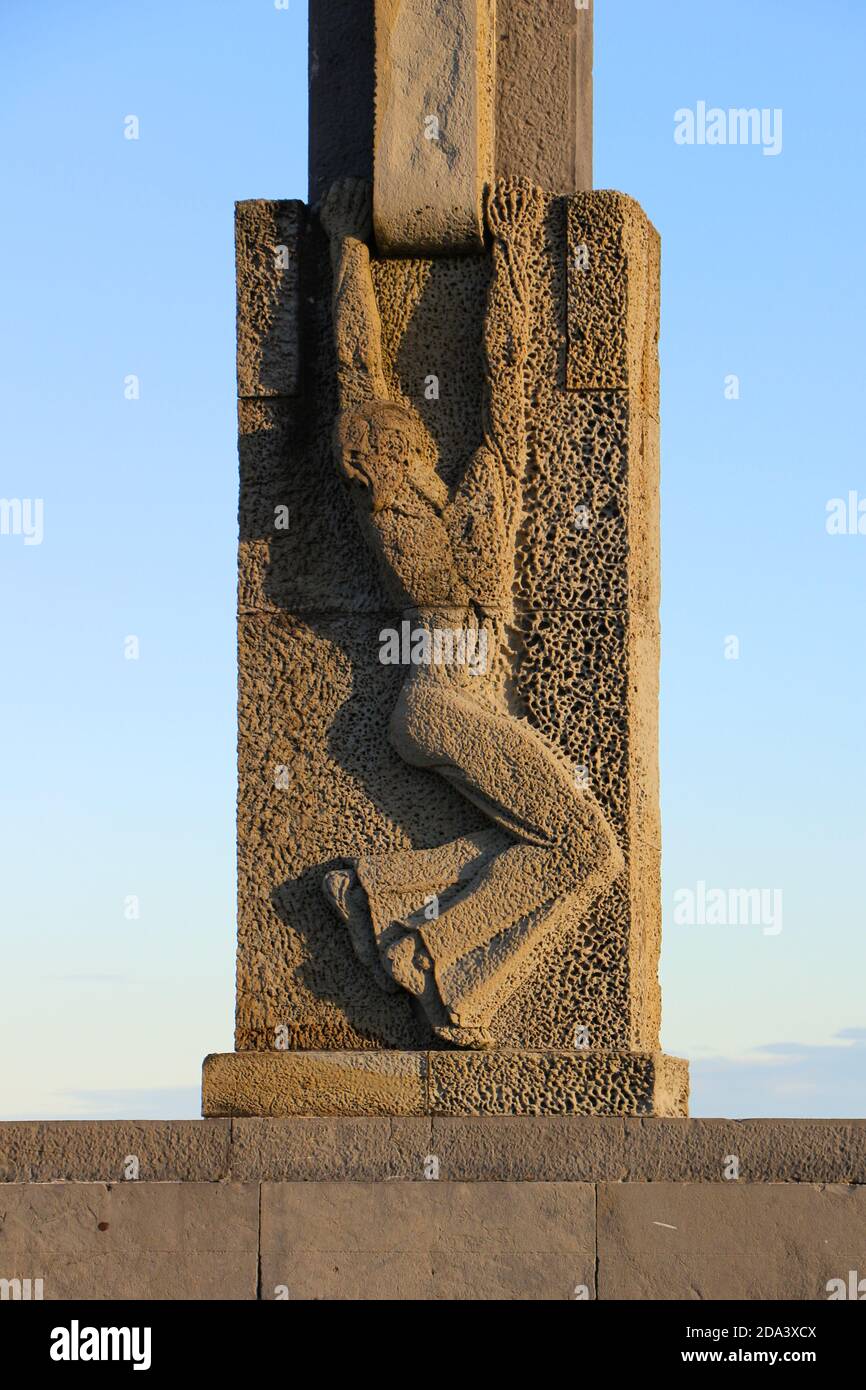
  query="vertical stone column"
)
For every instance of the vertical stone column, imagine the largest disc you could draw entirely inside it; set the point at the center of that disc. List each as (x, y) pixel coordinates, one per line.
(433, 151)
(544, 54)
(342, 84)
(542, 100)
(574, 1025)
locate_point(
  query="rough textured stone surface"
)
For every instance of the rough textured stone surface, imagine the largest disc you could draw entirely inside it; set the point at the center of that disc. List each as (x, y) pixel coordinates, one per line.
(544, 93)
(325, 1149)
(100, 1150)
(494, 418)
(738, 1240)
(614, 257)
(267, 251)
(508, 1148)
(447, 556)
(577, 1148)
(434, 124)
(314, 1083)
(443, 1083)
(399, 1241)
(132, 1241)
(556, 1083)
(318, 778)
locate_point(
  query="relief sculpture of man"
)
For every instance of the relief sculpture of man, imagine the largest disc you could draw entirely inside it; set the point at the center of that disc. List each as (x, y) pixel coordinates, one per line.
(449, 560)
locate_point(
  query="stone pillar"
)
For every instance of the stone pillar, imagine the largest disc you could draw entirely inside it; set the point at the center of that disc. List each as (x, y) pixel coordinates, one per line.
(559, 1011)
(433, 152)
(543, 92)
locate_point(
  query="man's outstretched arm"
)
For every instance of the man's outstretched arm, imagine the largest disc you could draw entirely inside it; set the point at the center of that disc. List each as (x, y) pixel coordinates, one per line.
(484, 514)
(514, 214)
(346, 217)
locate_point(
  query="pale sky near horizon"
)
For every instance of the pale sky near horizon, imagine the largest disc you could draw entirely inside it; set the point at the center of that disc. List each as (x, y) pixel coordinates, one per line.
(118, 775)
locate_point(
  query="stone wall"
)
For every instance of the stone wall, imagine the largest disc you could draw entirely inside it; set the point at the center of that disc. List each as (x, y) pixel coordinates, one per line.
(558, 1208)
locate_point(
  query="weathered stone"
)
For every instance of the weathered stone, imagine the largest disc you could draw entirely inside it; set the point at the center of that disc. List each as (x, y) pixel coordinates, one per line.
(447, 1239)
(368, 1149)
(577, 1148)
(101, 1151)
(133, 1240)
(299, 710)
(732, 1240)
(267, 253)
(434, 124)
(557, 1083)
(544, 93)
(614, 256)
(589, 537)
(314, 1083)
(543, 115)
(436, 856)
(444, 1083)
(315, 698)
(399, 1241)
(507, 1148)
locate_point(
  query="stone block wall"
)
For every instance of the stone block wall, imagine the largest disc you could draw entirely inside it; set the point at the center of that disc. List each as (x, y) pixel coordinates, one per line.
(419, 1208)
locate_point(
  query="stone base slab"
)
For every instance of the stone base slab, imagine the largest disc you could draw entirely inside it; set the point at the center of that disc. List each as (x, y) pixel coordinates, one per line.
(274, 1084)
(396, 1241)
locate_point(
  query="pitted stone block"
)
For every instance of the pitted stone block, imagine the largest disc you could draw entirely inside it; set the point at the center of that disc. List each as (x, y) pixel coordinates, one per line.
(267, 251)
(613, 297)
(557, 1083)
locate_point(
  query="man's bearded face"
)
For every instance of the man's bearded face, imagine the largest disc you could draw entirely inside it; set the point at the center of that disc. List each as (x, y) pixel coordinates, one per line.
(377, 456)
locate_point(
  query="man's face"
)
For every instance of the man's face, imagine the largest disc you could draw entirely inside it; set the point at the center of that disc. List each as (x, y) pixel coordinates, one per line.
(393, 444)
(376, 456)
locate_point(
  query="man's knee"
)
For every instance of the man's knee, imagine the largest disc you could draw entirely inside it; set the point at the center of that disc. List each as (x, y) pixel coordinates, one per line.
(589, 847)
(411, 730)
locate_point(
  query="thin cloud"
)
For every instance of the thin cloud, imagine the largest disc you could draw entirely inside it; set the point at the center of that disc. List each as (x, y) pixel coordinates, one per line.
(785, 1080)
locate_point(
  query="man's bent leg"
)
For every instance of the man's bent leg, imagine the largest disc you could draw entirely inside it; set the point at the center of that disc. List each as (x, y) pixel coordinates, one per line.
(565, 846)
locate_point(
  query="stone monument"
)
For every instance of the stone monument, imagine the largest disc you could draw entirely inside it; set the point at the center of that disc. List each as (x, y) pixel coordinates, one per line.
(447, 1082)
(448, 824)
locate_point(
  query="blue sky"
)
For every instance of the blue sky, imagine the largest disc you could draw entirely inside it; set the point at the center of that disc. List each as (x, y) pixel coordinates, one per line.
(118, 775)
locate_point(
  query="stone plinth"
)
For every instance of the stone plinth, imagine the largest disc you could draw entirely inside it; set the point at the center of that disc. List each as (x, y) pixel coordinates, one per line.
(444, 1083)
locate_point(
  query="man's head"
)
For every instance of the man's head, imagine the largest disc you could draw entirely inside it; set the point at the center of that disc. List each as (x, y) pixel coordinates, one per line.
(380, 446)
